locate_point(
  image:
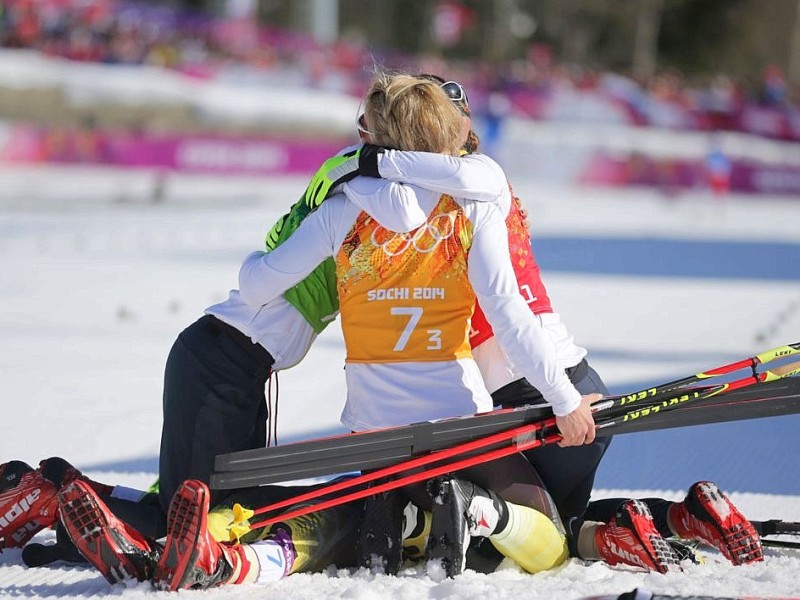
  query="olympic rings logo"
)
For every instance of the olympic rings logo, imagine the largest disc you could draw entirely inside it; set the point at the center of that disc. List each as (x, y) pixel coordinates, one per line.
(424, 239)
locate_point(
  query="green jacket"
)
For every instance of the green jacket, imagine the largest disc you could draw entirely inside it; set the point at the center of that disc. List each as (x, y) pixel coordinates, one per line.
(316, 296)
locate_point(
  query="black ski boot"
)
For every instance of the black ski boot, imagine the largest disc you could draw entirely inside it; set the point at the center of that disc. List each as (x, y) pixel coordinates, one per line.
(40, 555)
(380, 544)
(460, 509)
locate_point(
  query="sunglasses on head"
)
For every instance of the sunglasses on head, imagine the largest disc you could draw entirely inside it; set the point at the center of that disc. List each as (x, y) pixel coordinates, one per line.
(454, 90)
(457, 94)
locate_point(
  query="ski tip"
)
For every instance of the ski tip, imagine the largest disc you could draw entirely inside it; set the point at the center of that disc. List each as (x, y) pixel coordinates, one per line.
(643, 594)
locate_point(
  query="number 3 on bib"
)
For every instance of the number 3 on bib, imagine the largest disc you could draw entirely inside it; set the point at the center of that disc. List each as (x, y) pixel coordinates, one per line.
(414, 314)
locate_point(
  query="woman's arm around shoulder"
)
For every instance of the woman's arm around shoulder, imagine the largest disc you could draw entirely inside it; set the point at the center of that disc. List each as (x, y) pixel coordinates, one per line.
(396, 206)
(473, 176)
(264, 276)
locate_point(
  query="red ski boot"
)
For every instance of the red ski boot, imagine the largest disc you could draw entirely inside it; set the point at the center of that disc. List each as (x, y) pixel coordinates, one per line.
(631, 538)
(28, 502)
(27, 505)
(707, 515)
(192, 558)
(117, 550)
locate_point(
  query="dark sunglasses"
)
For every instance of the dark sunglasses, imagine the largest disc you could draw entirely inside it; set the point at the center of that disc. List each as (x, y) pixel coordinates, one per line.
(457, 94)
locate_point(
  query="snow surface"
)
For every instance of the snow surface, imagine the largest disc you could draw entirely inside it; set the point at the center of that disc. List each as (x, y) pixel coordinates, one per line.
(97, 282)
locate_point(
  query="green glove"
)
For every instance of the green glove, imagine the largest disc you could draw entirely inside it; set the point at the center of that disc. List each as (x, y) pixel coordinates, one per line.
(333, 171)
(273, 238)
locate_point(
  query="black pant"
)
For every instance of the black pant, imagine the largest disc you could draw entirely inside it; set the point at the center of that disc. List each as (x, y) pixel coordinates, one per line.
(567, 473)
(214, 402)
(512, 477)
(603, 510)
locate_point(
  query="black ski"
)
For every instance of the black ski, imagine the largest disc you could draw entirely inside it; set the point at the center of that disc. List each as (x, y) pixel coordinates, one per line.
(362, 451)
(380, 448)
(778, 527)
(784, 544)
(642, 594)
(773, 399)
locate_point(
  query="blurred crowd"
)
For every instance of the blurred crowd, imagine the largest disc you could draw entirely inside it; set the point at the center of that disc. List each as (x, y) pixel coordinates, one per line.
(538, 86)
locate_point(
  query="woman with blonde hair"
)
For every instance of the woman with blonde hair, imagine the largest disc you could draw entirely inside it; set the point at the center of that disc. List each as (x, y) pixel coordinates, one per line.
(406, 300)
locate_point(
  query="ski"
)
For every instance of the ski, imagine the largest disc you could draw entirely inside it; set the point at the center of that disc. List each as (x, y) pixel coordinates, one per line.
(643, 594)
(383, 447)
(748, 363)
(776, 527)
(378, 449)
(774, 399)
(461, 456)
(784, 544)
(363, 450)
(504, 443)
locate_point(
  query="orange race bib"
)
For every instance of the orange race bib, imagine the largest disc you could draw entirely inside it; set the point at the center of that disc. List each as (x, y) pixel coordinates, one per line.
(406, 296)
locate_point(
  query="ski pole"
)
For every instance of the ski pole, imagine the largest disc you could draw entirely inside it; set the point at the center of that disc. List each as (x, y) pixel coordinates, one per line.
(525, 437)
(382, 447)
(526, 430)
(668, 404)
(532, 435)
(654, 394)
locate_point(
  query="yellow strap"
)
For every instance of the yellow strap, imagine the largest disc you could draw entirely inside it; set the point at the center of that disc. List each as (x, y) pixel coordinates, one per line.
(241, 522)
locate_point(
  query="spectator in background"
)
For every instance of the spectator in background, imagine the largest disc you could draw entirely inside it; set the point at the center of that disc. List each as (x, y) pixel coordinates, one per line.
(718, 170)
(498, 107)
(773, 86)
